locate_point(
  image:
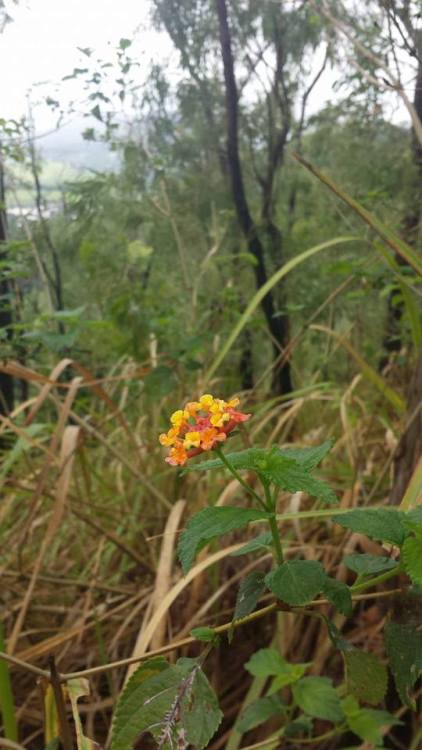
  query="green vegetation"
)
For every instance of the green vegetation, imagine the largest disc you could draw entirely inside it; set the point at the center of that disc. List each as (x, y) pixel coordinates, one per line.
(243, 241)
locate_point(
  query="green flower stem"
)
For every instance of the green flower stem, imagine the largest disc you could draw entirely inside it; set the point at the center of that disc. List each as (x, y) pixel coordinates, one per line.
(324, 513)
(237, 476)
(378, 579)
(270, 504)
(276, 540)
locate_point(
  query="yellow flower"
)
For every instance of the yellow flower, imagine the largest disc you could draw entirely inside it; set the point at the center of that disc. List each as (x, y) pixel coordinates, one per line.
(200, 426)
(192, 440)
(177, 418)
(206, 401)
(218, 419)
(170, 437)
(192, 407)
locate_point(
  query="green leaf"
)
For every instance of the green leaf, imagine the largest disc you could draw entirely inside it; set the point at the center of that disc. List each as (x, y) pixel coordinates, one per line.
(200, 713)
(289, 470)
(367, 723)
(261, 542)
(299, 726)
(290, 674)
(412, 557)
(415, 515)
(376, 523)
(260, 711)
(403, 645)
(366, 676)
(128, 714)
(204, 634)
(310, 456)
(171, 702)
(267, 662)
(339, 595)
(317, 697)
(365, 565)
(209, 524)
(250, 590)
(296, 582)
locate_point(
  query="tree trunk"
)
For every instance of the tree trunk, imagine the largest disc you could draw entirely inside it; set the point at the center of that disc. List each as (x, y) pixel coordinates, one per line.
(411, 227)
(246, 361)
(276, 325)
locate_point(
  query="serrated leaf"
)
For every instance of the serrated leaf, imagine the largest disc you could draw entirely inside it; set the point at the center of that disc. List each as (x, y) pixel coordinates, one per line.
(296, 582)
(403, 645)
(200, 713)
(412, 558)
(290, 674)
(366, 676)
(317, 697)
(260, 711)
(365, 565)
(172, 702)
(250, 590)
(289, 470)
(339, 595)
(415, 515)
(209, 524)
(262, 541)
(267, 662)
(367, 723)
(383, 524)
(128, 714)
(310, 456)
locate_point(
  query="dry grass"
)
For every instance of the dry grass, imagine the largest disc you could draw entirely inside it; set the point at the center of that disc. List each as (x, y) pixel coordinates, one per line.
(89, 521)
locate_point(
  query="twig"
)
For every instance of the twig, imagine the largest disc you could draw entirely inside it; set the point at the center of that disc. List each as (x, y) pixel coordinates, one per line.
(65, 732)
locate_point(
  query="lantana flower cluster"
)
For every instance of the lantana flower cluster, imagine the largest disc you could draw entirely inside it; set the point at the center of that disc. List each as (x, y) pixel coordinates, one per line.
(200, 426)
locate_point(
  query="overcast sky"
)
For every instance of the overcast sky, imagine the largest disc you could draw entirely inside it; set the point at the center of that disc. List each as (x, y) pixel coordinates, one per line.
(41, 45)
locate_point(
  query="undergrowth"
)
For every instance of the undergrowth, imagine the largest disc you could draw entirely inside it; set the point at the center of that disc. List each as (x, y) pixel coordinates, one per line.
(90, 520)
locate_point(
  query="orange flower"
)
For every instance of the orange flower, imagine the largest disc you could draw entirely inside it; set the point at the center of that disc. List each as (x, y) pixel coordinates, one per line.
(178, 455)
(199, 427)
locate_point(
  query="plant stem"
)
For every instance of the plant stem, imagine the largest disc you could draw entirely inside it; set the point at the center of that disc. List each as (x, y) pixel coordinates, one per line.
(378, 579)
(273, 524)
(237, 476)
(276, 540)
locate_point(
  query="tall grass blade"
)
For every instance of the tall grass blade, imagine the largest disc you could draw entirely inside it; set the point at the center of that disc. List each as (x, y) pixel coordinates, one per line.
(7, 706)
(413, 495)
(390, 238)
(260, 294)
(389, 393)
